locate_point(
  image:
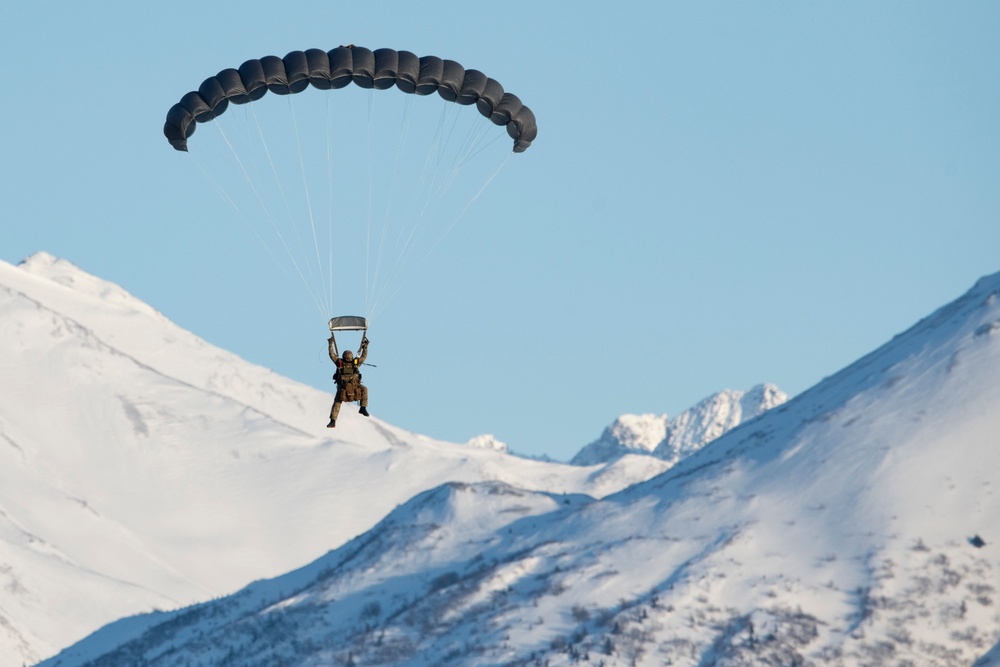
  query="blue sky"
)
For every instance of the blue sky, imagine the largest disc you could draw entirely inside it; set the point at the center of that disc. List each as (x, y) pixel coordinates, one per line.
(721, 194)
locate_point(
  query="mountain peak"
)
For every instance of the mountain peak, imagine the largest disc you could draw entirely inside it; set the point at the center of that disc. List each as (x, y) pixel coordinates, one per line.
(62, 272)
(671, 439)
(38, 260)
(488, 441)
(838, 528)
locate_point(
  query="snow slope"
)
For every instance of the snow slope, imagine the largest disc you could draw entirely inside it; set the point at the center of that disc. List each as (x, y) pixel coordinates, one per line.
(857, 524)
(142, 468)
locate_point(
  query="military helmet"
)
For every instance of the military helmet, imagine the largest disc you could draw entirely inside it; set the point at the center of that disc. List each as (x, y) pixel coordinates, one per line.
(348, 355)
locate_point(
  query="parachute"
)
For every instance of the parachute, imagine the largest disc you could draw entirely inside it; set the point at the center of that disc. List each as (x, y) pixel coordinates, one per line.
(368, 202)
(325, 70)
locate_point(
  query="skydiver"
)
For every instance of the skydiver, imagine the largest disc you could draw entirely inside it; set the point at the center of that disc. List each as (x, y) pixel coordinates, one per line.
(348, 378)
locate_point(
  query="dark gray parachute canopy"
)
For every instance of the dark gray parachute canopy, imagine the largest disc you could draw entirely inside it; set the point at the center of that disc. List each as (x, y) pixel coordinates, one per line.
(379, 69)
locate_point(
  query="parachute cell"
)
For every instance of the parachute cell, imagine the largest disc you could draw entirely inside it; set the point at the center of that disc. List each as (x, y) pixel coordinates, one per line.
(380, 69)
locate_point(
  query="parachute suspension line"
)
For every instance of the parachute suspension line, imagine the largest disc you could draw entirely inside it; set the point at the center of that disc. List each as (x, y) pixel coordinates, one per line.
(290, 224)
(454, 222)
(467, 150)
(255, 187)
(371, 194)
(221, 191)
(279, 183)
(472, 201)
(429, 170)
(405, 240)
(381, 286)
(404, 133)
(225, 195)
(378, 286)
(476, 132)
(407, 235)
(330, 198)
(484, 186)
(441, 144)
(472, 149)
(325, 302)
(440, 186)
(457, 219)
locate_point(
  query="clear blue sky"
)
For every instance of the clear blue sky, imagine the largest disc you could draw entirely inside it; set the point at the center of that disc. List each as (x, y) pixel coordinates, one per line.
(721, 194)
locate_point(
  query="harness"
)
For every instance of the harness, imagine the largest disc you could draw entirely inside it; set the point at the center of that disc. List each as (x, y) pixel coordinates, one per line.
(347, 373)
(348, 378)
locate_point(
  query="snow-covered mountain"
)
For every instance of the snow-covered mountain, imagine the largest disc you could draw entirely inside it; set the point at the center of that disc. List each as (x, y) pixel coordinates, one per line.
(672, 439)
(857, 524)
(142, 468)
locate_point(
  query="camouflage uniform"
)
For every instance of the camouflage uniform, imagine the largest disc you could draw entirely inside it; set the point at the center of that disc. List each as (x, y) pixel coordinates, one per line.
(348, 377)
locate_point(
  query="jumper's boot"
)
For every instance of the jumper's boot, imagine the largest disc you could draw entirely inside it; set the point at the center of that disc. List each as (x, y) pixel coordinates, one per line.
(364, 410)
(332, 424)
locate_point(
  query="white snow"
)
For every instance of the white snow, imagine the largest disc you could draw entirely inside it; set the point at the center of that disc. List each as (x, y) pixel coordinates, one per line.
(142, 468)
(487, 441)
(672, 439)
(836, 529)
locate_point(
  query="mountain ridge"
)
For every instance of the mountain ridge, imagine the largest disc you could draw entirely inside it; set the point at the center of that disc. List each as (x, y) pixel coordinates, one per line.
(836, 529)
(142, 468)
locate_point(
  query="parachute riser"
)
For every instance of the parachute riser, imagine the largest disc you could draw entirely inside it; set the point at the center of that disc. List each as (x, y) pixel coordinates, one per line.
(336, 352)
(347, 323)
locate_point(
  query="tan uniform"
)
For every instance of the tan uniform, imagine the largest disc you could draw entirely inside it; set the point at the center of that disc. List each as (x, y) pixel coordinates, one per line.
(348, 377)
